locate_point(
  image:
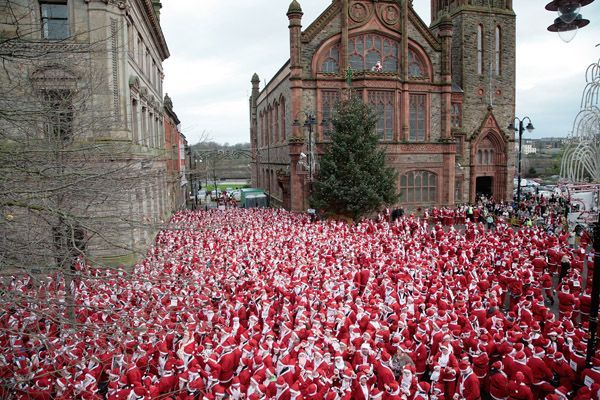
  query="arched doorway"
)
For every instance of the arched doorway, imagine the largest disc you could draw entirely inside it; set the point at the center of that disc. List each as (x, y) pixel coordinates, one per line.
(489, 159)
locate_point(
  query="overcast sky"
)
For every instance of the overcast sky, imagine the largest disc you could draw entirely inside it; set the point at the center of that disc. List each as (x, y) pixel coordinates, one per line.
(216, 46)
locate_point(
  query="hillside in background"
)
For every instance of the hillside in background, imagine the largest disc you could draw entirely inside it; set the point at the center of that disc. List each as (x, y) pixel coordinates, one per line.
(218, 161)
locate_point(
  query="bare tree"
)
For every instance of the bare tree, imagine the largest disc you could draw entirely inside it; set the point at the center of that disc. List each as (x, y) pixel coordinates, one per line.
(73, 184)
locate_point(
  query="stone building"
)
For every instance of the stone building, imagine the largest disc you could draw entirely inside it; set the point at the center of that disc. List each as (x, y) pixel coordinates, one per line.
(175, 144)
(444, 94)
(88, 78)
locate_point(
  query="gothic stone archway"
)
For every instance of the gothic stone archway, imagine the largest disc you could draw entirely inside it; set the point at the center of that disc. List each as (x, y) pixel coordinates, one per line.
(489, 158)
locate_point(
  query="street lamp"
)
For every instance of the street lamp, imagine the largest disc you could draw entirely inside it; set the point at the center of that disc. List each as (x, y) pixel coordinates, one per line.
(520, 129)
(569, 19)
(309, 122)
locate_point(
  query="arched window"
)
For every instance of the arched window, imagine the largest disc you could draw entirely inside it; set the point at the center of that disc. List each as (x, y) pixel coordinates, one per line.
(276, 123)
(366, 50)
(416, 69)
(331, 64)
(497, 50)
(418, 187)
(282, 118)
(485, 152)
(480, 49)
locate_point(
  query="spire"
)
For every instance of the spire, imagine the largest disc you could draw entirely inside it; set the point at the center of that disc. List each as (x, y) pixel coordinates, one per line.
(294, 8)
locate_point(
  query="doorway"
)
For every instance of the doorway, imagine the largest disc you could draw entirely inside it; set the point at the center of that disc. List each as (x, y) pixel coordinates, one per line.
(483, 186)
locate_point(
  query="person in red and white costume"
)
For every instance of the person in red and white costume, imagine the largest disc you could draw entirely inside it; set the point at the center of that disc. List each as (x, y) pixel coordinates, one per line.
(468, 387)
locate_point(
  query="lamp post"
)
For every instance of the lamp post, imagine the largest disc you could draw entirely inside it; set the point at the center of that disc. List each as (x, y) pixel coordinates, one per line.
(520, 129)
(309, 121)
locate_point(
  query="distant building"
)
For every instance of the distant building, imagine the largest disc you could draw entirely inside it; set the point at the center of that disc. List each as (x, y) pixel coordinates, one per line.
(528, 147)
(444, 94)
(175, 144)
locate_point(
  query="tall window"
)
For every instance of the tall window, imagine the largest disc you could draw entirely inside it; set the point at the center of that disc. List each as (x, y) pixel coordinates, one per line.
(134, 120)
(55, 20)
(418, 187)
(59, 115)
(130, 39)
(331, 64)
(282, 118)
(479, 49)
(140, 52)
(418, 111)
(415, 65)
(276, 122)
(329, 100)
(456, 115)
(383, 105)
(497, 50)
(365, 50)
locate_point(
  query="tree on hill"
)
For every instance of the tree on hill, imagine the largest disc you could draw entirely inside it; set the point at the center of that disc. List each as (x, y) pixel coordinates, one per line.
(353, 179)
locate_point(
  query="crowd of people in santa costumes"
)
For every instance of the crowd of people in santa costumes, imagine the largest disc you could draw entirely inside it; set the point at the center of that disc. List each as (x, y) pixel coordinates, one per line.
(265, 304)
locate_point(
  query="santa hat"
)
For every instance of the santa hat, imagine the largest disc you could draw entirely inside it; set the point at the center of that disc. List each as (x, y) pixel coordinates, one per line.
(311, 390)
(295, 389)
(280, 382)
(561, 391)
(385, 357)
(423, 387)
(520, 357)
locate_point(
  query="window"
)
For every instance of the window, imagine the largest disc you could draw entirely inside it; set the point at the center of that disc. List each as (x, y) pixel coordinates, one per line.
(458, 183)
(497, 50)
(415, 65)
(59, 115)
(479, 49)
(140, 52)
(485, 153)
(134, 120)
(130, 39)
(418, 187)
(55, 20)
(329, 100)
(383, 105)
(366, 50)
(456, 115)
(144, 132)
(282, 118)
(331, 64)
(417, 109)
(276, 122)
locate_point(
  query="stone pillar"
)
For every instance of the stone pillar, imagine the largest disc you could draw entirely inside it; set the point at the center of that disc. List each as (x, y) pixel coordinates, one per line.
(344, 43)
(254, 128)
(445, 35)
(294, 15)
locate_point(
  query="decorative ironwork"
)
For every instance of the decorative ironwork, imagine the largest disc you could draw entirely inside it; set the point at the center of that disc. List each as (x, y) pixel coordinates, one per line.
(581, 159)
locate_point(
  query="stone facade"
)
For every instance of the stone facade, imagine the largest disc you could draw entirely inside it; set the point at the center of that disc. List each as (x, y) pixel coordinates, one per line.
(111, 52)
(439, 124)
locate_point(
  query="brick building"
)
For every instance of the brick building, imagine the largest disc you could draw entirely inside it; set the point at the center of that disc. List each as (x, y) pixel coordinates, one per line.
(444, 95)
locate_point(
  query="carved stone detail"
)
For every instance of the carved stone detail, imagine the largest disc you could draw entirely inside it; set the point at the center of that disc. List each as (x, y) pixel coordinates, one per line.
(359, 12)
(389, 14)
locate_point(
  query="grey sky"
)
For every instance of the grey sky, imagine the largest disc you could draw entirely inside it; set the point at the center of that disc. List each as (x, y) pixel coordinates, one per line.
(216, 46)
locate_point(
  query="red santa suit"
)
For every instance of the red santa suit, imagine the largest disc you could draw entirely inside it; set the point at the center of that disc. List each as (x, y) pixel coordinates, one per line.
(498, 382)
(468, 384)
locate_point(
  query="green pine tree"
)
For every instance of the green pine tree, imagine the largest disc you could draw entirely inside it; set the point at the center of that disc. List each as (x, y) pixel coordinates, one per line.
(353, 180)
